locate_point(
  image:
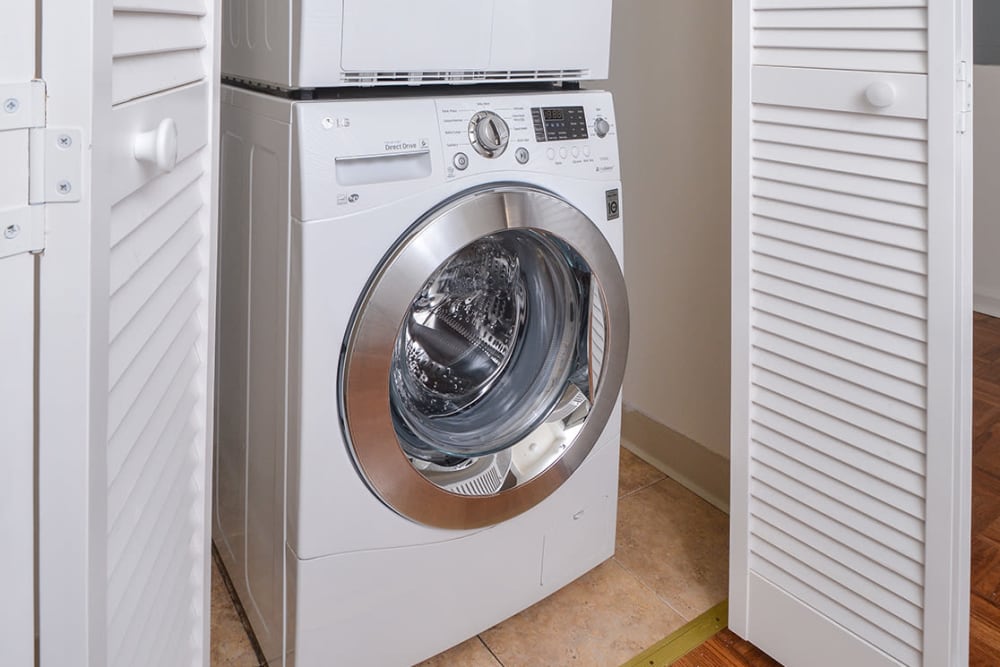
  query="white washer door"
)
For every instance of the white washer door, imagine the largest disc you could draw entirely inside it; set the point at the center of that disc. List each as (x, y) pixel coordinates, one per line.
(485, 358)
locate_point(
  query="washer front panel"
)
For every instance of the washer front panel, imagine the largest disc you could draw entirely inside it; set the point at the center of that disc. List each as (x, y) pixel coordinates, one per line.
(367, 393)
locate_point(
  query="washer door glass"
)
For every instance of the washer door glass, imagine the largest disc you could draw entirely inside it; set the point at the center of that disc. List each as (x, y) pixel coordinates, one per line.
(485, 357)
(491, 367)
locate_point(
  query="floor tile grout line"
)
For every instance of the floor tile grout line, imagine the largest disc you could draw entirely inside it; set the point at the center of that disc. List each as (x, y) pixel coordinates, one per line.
(643, 488)
(651, 589)
(487, 646)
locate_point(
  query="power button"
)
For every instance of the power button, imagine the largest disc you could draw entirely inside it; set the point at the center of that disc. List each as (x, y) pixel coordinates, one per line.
(461, 161)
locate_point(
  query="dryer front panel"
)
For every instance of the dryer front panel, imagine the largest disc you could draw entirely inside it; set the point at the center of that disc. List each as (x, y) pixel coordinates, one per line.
(484, 358)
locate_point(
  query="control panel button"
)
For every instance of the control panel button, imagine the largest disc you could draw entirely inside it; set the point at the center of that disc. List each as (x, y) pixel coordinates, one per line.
(601, 127)
(551, 154)
(586, 151)
(576, 151)
(461, 161)
(522, 155)
(563, 153)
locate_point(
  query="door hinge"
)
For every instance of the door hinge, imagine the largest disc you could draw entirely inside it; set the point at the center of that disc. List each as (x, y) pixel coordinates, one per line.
(22, 105)
(55, 165)
(22, 229)
(964, 97)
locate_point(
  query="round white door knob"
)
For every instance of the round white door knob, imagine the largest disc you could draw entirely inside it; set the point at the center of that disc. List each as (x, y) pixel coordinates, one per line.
(881, 94)
(158, 146)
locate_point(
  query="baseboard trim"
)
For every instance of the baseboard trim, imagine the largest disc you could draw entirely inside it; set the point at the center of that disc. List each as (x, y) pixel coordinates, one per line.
(689, 463)
(988, 305)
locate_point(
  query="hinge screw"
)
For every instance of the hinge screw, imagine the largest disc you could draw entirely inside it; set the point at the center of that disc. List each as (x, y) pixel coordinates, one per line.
(64, 141)
(11, 231)
(64, 187)
(11, 105)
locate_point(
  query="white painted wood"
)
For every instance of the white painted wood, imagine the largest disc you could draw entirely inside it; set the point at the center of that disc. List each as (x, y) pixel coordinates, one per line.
(739, 455)
(851, 344)
(17, 433)
(806, 637)
(126, 293)
(17, 343)
(949, 368)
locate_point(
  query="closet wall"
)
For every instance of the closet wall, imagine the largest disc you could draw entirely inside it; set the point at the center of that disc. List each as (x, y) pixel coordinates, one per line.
(671, 75)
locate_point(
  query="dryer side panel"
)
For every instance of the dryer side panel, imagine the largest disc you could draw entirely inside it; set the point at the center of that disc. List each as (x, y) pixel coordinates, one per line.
(250, 452)
(257, 41)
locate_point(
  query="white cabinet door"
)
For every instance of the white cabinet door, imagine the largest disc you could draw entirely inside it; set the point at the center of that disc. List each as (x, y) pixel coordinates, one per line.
(126, 322)
(851, 331)
(17, 333)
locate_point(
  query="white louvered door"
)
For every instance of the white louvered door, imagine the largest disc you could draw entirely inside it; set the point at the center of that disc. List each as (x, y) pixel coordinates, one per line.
(126, 335)
(851, 331)
(159, 323)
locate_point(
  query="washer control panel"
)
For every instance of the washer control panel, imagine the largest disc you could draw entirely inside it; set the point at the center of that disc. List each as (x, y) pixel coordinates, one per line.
(568, 133)
(353, 155)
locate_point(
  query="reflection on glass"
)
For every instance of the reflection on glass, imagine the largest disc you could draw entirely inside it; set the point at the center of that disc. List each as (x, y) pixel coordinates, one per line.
(492, 375)
(462, 329)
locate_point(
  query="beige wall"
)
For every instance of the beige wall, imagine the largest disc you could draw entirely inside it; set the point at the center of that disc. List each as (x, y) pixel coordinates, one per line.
(671, 75)
(986, 238)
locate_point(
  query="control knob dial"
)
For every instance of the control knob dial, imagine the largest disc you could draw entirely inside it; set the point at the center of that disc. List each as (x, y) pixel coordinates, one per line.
(489, 134)
(601, 127)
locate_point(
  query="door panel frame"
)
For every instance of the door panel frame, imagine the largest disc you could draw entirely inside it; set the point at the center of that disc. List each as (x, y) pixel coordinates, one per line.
(949, 343)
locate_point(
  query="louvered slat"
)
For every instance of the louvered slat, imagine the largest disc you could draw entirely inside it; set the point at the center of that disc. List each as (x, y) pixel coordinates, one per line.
(879, 477)
(865, 292)
(861, 396)
(870, 36)
(857, 561)
(156, 46)
(845, 369)
(886, 235)
(907, 325)
(897, 608)
(777, 507)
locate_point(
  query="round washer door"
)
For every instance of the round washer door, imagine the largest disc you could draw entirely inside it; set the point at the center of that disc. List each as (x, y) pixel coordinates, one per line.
(485, 358)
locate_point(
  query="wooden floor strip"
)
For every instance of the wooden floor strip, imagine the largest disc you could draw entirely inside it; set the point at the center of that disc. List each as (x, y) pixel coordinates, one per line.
(683, 641)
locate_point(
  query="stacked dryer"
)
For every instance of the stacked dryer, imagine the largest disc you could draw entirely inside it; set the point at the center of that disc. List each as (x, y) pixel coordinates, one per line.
(422, 318)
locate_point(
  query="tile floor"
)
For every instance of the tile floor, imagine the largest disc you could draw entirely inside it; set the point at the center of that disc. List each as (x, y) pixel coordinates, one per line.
(670, 565)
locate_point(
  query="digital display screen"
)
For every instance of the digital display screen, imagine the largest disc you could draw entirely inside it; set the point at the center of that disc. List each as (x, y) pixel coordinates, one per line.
(559, 123)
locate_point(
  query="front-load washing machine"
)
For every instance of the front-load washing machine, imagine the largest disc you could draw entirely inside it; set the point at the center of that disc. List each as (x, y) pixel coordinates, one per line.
(423, 328)
(330, 43)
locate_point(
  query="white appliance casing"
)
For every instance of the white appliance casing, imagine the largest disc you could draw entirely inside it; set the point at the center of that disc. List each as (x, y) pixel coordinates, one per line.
(330, 43)
(328, 574)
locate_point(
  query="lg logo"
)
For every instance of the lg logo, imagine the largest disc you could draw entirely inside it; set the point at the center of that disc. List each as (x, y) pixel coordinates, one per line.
(330, 122)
